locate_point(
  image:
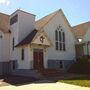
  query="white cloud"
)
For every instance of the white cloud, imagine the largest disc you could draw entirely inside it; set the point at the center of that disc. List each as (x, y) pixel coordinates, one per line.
(5, 2)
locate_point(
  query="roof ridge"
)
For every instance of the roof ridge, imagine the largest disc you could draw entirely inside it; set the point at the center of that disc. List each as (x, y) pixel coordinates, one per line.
(81, 29)
(23, 12)
(48, 15)
(4, 14)
(46, 18)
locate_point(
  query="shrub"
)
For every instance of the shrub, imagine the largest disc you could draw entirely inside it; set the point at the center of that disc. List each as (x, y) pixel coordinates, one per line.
(82, 66)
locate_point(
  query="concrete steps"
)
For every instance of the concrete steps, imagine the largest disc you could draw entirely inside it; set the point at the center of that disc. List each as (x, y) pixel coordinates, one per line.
(48, 72)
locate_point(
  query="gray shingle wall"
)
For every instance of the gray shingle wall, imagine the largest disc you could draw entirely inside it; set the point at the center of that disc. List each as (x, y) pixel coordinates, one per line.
(55, 64)
(4, 68)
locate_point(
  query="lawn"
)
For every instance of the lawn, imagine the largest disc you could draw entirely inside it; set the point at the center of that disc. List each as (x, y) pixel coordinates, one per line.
(81, 81)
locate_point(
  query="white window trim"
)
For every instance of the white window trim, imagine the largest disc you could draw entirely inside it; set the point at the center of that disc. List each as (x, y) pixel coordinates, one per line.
(58, 41)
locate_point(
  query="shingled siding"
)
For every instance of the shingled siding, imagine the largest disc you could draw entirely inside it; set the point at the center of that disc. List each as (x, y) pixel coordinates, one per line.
(4, 68)
(4, 19)
(55, 64)
(1, 70)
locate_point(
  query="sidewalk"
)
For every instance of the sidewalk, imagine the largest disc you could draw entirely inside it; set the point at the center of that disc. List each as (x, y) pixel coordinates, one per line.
(45, 86)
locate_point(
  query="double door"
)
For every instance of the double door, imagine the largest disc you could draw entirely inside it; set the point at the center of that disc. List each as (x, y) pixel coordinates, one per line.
(38, 59)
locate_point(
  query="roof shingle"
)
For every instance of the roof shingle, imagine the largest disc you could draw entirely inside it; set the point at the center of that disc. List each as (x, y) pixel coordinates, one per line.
(4, 21)
(80, 30)
(28, 39)
(40, 23)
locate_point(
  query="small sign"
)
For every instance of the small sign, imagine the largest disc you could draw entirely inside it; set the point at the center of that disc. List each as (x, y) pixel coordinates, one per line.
(42, 39)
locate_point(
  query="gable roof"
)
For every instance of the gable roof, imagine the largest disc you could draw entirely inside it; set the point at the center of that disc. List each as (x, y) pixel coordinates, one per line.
(80, 30)
(43, 21)
(4, 21)
(40, 24)
(28, 39)
(39, 34)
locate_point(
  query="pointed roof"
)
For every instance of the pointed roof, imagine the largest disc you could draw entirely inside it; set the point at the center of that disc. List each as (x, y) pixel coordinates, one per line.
(43, 21)
(37, 39)
(80, 30)
(28, 39)
(4, 21)
(40, 24)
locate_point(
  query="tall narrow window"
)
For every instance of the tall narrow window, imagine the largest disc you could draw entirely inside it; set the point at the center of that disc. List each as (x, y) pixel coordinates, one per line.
(64, 48)
(61, 64)
(60, 39)
(13, 43)
(13, 65)
(56, 36)
(22, 54)
(63, 34)
(57, 46)
(60, 36)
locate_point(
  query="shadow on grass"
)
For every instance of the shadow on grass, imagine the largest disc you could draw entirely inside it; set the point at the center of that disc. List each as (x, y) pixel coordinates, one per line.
(20, 80)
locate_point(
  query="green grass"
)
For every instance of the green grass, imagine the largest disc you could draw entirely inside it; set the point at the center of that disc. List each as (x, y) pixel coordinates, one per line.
(81, 81)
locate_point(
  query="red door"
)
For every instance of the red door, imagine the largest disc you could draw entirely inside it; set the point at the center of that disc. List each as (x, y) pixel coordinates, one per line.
(38, 59)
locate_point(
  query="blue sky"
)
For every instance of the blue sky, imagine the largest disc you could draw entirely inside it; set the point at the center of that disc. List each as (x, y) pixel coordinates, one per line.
(76, 11)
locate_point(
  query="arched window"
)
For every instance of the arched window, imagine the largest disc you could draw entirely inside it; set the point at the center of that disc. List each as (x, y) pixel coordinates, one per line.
(60, 39)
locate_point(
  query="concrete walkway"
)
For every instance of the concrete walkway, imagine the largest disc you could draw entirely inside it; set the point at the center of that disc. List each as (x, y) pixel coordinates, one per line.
(45, 86)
